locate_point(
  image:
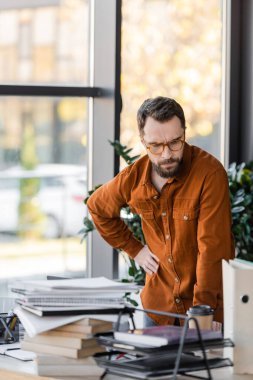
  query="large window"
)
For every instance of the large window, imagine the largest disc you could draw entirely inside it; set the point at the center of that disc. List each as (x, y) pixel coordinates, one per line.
(173, 48)
(43, 145)
(57, 111)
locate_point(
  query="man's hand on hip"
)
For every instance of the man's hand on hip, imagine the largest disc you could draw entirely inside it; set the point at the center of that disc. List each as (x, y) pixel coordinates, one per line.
(147, 260)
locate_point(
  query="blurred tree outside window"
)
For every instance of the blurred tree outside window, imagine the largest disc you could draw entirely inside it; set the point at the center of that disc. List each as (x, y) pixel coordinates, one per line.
(173, 48)
(45, 44)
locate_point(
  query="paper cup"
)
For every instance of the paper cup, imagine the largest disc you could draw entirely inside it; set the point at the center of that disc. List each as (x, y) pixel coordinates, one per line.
(204, 316)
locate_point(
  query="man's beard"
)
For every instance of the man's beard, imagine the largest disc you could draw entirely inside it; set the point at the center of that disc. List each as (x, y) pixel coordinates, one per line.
(167, 173)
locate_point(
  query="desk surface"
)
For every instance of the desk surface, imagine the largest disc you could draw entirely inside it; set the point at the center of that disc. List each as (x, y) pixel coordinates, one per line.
(14, 369)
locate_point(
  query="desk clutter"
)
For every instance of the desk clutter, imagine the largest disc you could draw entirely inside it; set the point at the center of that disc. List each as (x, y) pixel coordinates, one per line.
(75, 328)
(61, 319)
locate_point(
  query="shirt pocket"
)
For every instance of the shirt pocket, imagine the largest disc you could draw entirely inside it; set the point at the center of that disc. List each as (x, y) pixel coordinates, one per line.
(185, 225)
(149, 224)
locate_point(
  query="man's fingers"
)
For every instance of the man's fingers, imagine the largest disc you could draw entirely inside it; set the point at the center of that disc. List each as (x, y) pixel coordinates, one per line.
(154, 257)
(152, 264)
(147, 260)
(150, 267)
(147, 270)
(153, 268)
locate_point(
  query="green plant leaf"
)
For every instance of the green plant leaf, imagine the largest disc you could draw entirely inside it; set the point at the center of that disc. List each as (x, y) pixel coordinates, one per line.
(240, 178)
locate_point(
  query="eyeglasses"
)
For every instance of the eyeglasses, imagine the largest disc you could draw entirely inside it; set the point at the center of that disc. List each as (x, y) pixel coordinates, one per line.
(173, 146)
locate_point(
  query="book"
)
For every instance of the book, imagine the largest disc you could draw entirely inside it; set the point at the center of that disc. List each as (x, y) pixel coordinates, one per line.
(74, 327)
(69, 300)
(42, 311)
(52, 365)
(70, 370)
(62, 341)
(67, 334)
(62, 351)
(44, 359)
(91, 322)
(34, 324)
(163, 335)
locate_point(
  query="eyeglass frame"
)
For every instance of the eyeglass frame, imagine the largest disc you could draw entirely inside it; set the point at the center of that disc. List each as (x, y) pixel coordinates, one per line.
(182, 140)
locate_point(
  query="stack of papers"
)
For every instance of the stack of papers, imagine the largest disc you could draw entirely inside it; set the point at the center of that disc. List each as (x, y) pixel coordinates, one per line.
(66, 301)
(72, 296)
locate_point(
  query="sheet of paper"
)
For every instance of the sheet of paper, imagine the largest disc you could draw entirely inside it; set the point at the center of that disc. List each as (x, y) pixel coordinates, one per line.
(21, 355)
(10, 346)
(77, 283)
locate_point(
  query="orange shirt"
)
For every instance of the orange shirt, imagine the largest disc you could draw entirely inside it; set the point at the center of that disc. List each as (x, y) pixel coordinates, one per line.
(187, 225)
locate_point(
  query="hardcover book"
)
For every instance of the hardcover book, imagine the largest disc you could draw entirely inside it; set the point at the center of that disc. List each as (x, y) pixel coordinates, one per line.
(163, 335)
(62, 341)
(69, 352)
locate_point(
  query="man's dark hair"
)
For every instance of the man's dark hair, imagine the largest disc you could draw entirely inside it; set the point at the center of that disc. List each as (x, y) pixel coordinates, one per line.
(161, 109)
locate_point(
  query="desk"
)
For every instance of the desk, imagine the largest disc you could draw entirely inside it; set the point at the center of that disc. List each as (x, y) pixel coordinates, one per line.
(14, 369)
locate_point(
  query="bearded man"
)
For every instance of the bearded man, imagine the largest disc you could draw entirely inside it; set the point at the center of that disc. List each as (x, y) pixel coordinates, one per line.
(181, 194)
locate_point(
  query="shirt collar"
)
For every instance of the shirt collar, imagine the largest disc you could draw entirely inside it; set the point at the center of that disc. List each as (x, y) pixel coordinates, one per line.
(147, 171)
(186, 164)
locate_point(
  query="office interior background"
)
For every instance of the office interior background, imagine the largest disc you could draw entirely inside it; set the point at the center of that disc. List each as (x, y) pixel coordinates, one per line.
(73, 74)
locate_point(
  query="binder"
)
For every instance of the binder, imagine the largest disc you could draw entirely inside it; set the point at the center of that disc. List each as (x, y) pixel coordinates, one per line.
(238, 310)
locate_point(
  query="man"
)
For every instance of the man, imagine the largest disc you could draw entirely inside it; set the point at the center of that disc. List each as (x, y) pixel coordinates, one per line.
(181, 193)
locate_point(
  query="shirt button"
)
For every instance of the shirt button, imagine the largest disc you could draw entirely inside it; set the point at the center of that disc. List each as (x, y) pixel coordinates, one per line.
(164, 213)
(169, 259)
(156, 197)
(186, 217)
(167, 237)
(178, 300)
(176, 279)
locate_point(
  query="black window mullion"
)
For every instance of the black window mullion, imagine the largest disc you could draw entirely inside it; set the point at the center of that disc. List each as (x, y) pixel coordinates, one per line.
(40, 90)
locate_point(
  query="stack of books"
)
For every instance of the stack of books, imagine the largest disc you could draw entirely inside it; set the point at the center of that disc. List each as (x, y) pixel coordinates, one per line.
(70, 346)
(75, 340)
